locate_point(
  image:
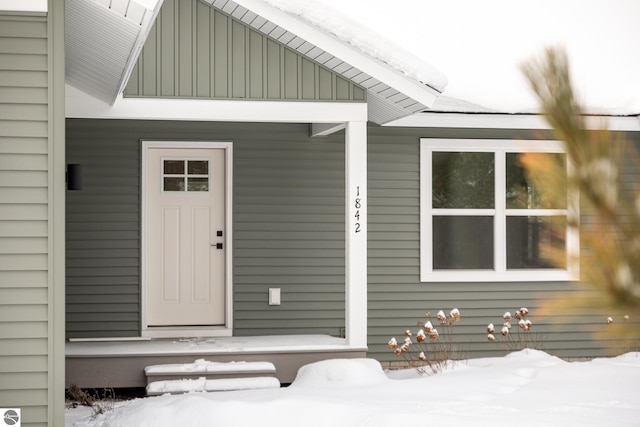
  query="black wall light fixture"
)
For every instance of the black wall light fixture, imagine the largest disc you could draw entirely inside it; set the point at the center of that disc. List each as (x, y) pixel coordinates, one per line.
(74, 177)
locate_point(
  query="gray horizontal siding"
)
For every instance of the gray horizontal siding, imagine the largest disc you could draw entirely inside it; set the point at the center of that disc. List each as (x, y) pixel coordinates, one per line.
(197, 51)
(103, 225)
(289, 233)
(397, 298)
(288, 226)
(24, 234)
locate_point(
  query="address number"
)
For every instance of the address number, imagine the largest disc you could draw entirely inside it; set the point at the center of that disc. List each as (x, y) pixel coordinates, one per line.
(358, 205)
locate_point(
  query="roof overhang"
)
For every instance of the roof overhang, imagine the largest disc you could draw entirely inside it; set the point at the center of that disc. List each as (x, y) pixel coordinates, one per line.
(508, 121)
(104, 39)
(391, 94)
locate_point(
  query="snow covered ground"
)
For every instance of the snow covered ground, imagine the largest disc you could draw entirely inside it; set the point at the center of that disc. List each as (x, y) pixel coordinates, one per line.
(525, 388)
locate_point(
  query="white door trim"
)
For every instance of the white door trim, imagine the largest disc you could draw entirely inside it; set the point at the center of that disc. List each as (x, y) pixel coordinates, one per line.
(178, 332)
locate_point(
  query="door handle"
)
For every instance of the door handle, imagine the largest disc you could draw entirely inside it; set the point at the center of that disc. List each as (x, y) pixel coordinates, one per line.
(218, 245)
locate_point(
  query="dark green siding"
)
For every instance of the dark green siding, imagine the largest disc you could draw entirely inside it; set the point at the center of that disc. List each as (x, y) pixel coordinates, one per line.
(196, 51)
(288, 226)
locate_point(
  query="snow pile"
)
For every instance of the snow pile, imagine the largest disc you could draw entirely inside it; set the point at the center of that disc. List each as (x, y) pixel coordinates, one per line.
(525, 388)
(339, 373)
(364, 39)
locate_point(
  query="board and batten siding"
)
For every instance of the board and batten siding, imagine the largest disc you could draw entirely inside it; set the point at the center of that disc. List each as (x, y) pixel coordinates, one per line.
(29, 337)
(288, 220)
(397, 298)
(197, 51)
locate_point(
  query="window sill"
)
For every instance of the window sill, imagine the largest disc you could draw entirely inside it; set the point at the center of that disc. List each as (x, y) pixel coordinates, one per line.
(551, 275)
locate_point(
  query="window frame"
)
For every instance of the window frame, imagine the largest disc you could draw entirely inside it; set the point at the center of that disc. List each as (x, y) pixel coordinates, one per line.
(500, 273)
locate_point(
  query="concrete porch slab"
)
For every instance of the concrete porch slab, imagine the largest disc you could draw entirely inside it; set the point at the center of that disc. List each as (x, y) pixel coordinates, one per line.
(121, 363)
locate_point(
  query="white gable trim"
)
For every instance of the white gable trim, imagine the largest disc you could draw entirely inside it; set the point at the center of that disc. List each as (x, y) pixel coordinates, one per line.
(81, 105)
(349, 54)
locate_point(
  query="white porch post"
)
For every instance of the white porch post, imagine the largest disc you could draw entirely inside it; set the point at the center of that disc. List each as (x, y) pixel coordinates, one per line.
(356, 233)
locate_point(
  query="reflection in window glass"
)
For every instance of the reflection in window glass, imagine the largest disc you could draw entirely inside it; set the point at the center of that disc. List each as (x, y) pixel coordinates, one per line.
(173, 184)
(198, 184)
(534, 242)
(173, 167)
(463, 180)
(198, 167)
(520, 192)
(463, 242)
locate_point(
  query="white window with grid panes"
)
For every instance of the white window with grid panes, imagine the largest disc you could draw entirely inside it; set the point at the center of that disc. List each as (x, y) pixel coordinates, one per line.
(482, 220)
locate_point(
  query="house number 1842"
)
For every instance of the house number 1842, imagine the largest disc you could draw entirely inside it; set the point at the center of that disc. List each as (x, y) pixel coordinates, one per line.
(357, 204)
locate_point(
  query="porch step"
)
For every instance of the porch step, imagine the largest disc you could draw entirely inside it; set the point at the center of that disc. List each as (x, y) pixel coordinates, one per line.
(203, 375)
(202, 384)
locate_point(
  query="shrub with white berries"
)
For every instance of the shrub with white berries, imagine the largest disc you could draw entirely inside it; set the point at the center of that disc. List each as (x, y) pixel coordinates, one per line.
(433, 353)
(624, 318)
(393, 343)
(518, 341)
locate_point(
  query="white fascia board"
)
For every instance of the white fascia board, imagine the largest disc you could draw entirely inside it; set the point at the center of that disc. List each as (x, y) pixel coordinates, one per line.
(508, 121)
(373, 67)
(81, 105)
(24, 5)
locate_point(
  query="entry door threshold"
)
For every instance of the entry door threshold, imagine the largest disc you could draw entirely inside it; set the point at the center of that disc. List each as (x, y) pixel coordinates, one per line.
(109, 339)
(186, 331)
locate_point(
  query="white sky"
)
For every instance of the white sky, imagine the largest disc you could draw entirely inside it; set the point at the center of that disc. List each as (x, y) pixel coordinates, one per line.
(479, 45)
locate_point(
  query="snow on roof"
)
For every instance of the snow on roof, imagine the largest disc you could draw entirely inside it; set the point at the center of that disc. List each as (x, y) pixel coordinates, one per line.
(364, 39)
(479, 46)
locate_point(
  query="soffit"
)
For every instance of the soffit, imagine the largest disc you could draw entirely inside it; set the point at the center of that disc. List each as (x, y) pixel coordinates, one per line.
(102, 40)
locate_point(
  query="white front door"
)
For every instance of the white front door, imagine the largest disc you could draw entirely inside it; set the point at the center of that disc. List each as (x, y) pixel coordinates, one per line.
(185, 236)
